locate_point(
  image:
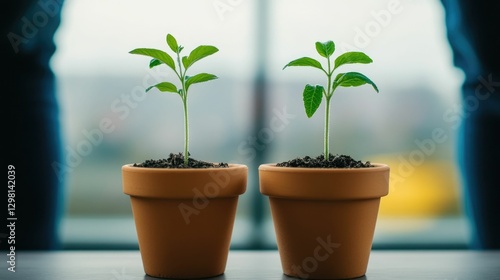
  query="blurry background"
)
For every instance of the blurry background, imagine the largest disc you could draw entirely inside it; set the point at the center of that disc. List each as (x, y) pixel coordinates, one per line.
(410, 124)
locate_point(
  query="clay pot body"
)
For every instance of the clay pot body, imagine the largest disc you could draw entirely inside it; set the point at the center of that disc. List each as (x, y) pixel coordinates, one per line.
(324, 219)
(184, 217)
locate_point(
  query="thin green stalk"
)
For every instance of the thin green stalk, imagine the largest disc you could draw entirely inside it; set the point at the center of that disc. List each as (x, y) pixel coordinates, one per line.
(184, 95)
(186, 132)
(328, 95)
(327, 129)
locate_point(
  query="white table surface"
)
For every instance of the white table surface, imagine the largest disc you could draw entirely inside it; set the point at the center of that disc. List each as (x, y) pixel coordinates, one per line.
(127, 265)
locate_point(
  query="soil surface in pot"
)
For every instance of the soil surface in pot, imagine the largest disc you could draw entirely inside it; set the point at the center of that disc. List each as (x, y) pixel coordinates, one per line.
(177, 161)
(334, 161)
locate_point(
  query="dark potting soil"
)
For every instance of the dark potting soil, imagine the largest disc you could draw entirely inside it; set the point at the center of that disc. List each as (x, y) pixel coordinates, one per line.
(177, 161)
(334, 161)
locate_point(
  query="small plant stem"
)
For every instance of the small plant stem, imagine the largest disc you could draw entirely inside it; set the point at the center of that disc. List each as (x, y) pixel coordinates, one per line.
(328, 95)
(186, 132)
(327, 128)
(184, 96)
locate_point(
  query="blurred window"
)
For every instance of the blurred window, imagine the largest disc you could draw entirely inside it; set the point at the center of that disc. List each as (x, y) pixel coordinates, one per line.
(100, 82)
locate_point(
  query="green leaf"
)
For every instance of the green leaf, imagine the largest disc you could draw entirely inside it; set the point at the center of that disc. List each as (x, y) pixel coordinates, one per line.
(172, 43)
(305, 61)
(325, 49)
(158, 54)
(199, 53)
(199, 78)
(154, 62)
(352, 57)
(312, 98)
(164, 87)
(185, 62)
(352, 79)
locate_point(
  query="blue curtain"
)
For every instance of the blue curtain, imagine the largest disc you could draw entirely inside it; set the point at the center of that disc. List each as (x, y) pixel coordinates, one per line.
(473, 29)
(31, 124)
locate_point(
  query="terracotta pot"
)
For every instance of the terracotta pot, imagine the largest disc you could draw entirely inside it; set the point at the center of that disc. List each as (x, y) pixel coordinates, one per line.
(184, 217)
(324, 219)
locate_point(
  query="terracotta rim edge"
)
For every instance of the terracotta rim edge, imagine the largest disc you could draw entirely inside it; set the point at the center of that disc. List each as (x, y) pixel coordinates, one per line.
(324, 183)
(130, 167)
(273, 168)
(178, 183)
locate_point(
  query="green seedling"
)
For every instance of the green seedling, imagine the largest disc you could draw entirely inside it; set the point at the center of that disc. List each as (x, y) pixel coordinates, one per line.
(160, 57)
(313, 95)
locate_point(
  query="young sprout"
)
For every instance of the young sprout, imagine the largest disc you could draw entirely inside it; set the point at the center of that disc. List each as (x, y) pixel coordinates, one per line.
(313, 95)
(160, 57)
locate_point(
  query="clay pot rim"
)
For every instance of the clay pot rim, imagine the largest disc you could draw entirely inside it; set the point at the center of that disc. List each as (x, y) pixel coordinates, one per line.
(189, 183)
(324, 183)
(273, 168)
(129, 167)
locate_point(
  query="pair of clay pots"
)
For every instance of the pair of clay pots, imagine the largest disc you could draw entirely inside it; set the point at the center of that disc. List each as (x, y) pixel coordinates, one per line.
(324, 218)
